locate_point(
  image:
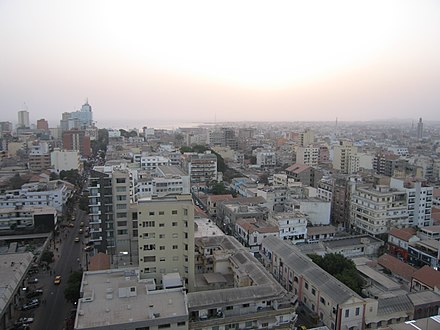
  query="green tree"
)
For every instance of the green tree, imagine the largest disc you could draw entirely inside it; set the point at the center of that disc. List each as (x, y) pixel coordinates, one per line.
(16, 182)
(53, 176)
(72, 291)
(185, 149)
(47, 256)
(342, 268)
(71, 176)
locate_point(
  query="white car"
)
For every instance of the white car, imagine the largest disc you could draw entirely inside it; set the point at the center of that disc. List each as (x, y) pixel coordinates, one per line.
(24, 321)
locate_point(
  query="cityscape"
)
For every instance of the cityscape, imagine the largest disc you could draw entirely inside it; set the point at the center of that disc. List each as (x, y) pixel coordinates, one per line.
(245, 225)
(194, 165)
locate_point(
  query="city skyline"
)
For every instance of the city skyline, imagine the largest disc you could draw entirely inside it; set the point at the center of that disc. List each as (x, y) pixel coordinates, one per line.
(195, 62)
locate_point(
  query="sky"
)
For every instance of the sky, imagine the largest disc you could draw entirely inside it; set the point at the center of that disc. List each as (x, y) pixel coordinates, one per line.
(144, 62)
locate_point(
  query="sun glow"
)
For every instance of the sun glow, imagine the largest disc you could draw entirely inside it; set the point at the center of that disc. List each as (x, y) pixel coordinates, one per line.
(248, 43)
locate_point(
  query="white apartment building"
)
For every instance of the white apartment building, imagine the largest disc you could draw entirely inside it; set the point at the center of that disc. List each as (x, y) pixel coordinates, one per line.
(316, 210)
(292, 226)
(378, 209)
(399, 151)
(282, 180)
(251, 232)
(342, 156)
(419, 200)
(202, 168)
(53, 193)
(62, 160)
(166, 237)
(165, 180)
(266, 158)
(274, 196)
(307, 156)
(152, 162)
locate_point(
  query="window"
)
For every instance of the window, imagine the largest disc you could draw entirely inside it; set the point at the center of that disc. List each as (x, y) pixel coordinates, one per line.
(150, 270)
(121, 189)
(149, 247)
(175, 235)
(306, 285)
(313, 291)
(357, 311)
(121, 215)
(181, 324)
(347, 313)
(149, 224)
(122, 232)
(175, 247)
(161, 235)
(322, 300)
(228, 308)
(164, 326)
(162, 259)
(245, 305)
(121, 206)
(161, 225)
(122, 223)
(185, 211)
(150, 259)
(162, 247)
(120, 180)
(151, 213)
(134, 216)
(174, 212)
(161, 213)
(174, 224)
(121, 197)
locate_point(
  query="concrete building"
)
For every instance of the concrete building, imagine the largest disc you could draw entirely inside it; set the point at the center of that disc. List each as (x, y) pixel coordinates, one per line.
(77, 140)
(306, 138)
(316, 210)
(212, 202)
(166, 237)
(234, 291)
(42, 124)
(426, 278)
(123, 301)
(39, 156)
(23, 119)
(337, 306)
(202, 168)
(160, 182)
(419, 200)
(399, 240)
(265, 158)
(319, 233)
(28, 218)
(424, 252)
(308, 156)
(84, 116)
(53, 194)
(13, 273)
(307, 175)
(152, 162)
(376, 210)
(63, 160)
(292, 226)
(342, 156)
(420, 129)
(251, 232)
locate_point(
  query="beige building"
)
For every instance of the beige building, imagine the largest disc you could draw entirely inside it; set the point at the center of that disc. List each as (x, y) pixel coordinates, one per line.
(62, 160)
(307, 156)
(343, 157)
(166, 237)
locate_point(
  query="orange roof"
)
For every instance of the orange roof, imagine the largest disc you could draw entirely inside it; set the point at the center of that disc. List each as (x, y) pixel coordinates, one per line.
(404, 233)
(217, 198)
(396, 266)
(251, 226)
(428, 276)
(297, 168)
(99, 262)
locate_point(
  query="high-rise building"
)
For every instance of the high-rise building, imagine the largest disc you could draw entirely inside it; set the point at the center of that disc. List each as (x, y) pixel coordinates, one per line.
(342, 159)
(23, 119)
(84, 116)
(420, 129)
(166, 237)
(42, 124)
(77, 140)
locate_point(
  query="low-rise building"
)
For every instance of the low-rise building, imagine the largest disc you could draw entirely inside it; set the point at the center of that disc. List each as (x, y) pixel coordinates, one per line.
(424, 252)
(399, 240)
(319, 233)
(426, 278)
(292, 226)
(251, 232)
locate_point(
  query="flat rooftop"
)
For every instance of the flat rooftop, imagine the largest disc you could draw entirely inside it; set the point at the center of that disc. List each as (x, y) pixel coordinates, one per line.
(117, 296)
(206, 228)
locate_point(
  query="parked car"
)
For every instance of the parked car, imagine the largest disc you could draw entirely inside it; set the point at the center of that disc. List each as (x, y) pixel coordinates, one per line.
(88, 248)
(76, 239)
(24, 321)
(33, 294)
(33, 280)
(34, 303)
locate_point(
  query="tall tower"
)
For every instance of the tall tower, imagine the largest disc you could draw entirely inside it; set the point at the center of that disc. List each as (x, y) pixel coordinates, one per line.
(420, 129)
(23, 119)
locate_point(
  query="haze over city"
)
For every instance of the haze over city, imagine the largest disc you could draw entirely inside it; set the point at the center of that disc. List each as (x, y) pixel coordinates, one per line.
(195, 61)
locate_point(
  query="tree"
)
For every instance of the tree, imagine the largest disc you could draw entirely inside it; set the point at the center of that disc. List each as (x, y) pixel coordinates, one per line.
(16, 182)
(342, 268)
(53, 176)
(72, 291)
(47, 257)
(71, 176)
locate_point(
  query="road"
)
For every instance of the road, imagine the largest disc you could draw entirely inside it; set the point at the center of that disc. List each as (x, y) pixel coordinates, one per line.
(51, 315)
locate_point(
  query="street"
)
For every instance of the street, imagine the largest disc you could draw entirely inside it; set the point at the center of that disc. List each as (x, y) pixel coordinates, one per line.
(54, 308)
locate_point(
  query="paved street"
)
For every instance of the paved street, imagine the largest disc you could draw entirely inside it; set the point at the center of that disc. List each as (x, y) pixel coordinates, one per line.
(55, 309)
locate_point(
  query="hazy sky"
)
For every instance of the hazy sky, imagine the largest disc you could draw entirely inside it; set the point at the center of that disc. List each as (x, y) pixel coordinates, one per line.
(147, 61)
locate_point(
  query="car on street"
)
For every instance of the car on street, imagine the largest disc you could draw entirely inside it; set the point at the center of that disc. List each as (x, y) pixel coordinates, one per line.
(34, 303)
(57, 280)
(88, 248)
(24, 321)
(35, 293)
(76, 239)
(81, 230)
(71, 225)
(33, 280)
(81, 224)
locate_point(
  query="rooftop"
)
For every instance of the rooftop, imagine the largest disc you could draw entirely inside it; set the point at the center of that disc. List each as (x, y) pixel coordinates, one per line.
(206, 227)
(117, 296)
(428, 276)
(396, 266)
(404, 234)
